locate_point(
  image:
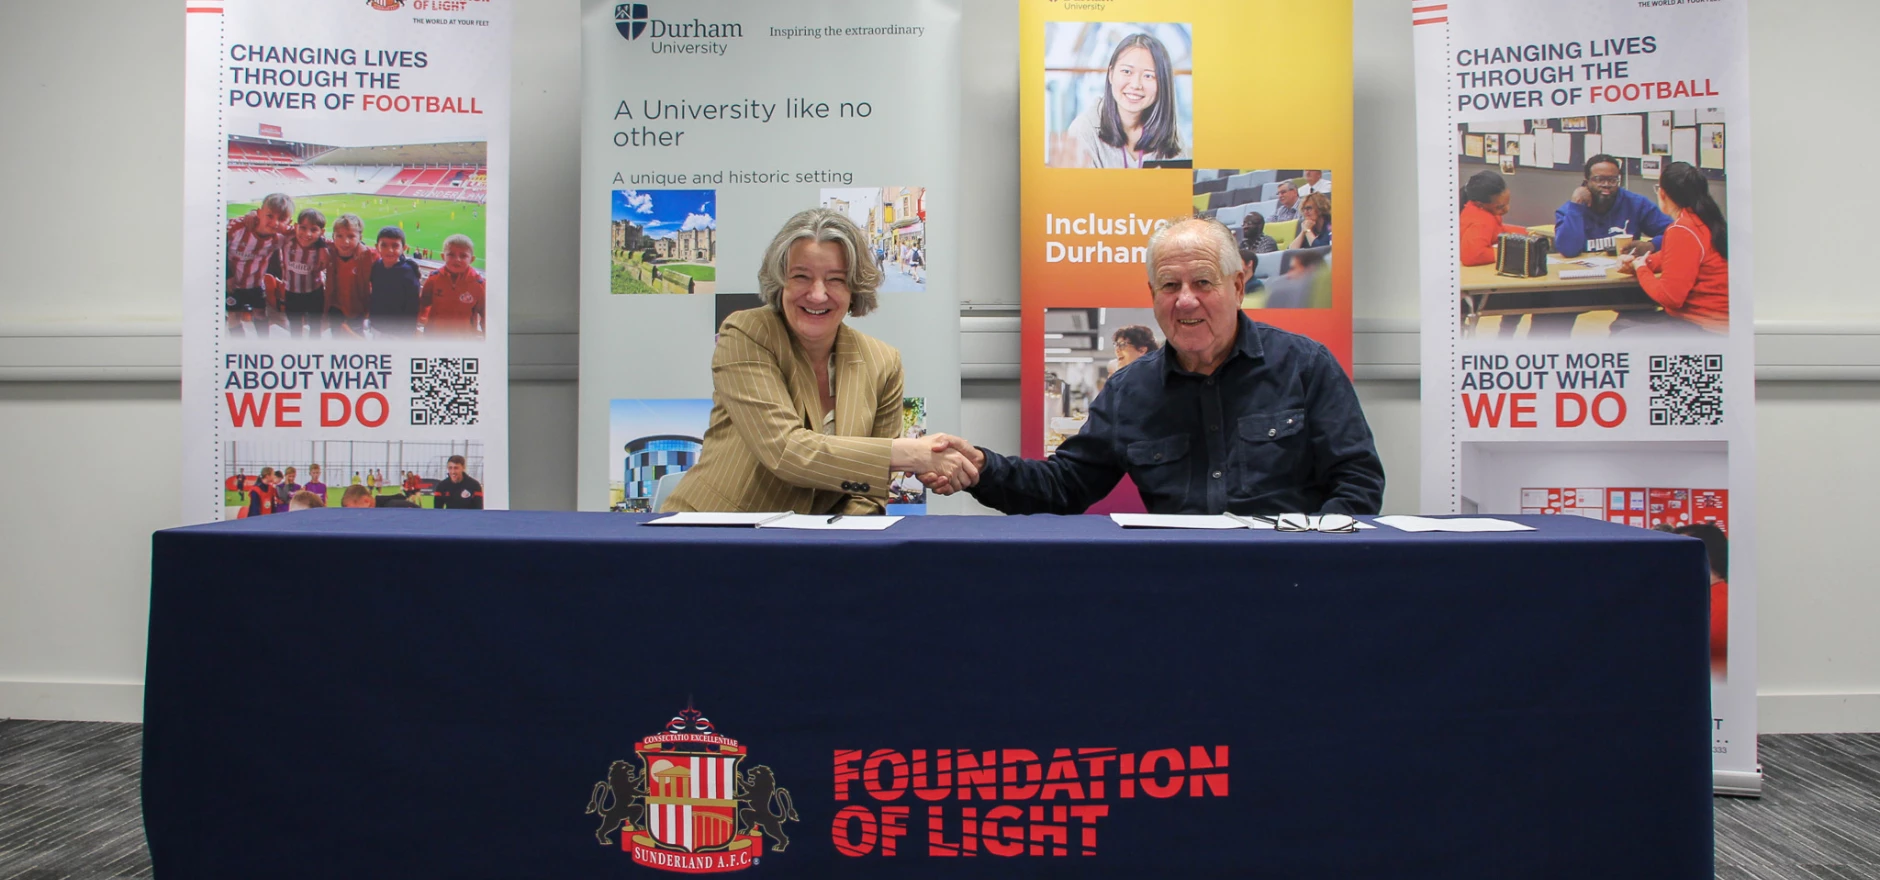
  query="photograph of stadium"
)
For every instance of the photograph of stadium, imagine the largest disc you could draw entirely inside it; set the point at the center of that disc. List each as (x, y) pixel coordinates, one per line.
(395, 473)
(431, 191)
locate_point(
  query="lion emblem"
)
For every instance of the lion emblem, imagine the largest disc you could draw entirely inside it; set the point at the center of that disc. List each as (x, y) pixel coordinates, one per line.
(617, 799)
(761, 798)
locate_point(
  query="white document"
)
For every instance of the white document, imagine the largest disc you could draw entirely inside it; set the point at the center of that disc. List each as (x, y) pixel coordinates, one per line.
(1684, 145)
(1543, 148)
(743, 520)
(1563, 148)
(1530, 151)
(1175, 521)
(821, 523)
(1451, 524)
(1623, 135)
(1570, 274)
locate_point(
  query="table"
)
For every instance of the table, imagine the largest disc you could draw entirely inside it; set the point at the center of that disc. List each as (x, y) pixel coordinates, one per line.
(1486, 293)
(404, 693)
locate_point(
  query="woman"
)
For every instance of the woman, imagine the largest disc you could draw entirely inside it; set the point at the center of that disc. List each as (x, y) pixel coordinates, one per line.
(806, 411)
(1315, 222)
(1136, 120)
(1690, 275)
(1484, 202)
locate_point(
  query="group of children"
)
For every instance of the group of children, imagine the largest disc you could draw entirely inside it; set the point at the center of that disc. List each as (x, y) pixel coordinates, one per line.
(278, 490)
(291, 275)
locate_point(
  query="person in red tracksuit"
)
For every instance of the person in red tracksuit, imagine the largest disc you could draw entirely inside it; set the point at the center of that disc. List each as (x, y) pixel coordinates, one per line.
(1690, 275)
(1484, 202)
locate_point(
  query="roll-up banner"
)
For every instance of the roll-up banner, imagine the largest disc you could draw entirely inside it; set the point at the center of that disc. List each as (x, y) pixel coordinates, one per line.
(1583, 176)
(346, 297)
(1132, 114)
(705, 125)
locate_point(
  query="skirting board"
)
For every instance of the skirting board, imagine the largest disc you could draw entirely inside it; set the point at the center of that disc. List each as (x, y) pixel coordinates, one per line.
(1818, 713)
(72, 700)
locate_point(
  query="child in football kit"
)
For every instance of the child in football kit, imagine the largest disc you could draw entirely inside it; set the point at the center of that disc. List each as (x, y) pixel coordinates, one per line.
(392, 298)
(254, 240)
(451, 303)
(303, 273)
(348, 277)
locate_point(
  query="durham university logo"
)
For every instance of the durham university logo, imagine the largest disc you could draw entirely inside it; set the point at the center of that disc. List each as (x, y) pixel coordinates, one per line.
(630, 19)
(688, 804)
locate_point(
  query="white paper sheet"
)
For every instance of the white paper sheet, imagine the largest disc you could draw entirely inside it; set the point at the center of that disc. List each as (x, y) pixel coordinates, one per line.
(744, 520)
(1530, 151)
(1451, 524)
(821, 523)
(1173, 521)
(1658, 133)
(1683, 117)
(1563, 148)
(1594, 145)
(1684, 145)
(1623, 135)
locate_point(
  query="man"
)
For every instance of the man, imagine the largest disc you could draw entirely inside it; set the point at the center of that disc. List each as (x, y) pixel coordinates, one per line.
(459, 491)
(1288, 208)
(1131, 343)
(1316, 183)
(1602, 209)
(1253, 233)
(1228, 415)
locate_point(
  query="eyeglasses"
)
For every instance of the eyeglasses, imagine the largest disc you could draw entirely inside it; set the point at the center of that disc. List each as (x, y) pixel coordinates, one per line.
(1336, 523)
(1605, 180)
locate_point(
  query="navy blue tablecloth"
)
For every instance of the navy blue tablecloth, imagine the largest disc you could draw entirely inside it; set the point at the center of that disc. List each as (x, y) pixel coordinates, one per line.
(387, 693)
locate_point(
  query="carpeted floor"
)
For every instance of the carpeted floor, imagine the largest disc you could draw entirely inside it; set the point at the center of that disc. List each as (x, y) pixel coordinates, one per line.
(69, 808)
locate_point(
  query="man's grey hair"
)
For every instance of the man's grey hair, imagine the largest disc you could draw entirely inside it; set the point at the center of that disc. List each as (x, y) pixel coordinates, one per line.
(821, 224)
(279, 203)
(1226, 246)
(1285, 185)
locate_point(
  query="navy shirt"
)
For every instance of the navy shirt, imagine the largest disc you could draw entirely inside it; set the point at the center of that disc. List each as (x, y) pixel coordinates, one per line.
(1275, 429)
(392, 306)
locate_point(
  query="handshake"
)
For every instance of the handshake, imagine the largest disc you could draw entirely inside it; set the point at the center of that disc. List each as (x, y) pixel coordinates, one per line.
(944, 463)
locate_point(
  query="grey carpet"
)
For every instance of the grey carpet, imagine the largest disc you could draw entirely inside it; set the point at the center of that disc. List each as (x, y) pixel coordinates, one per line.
(69, 810)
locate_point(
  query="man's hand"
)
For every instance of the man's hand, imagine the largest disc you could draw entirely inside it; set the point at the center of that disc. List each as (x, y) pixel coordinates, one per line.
(1582, 196)
(957, 464)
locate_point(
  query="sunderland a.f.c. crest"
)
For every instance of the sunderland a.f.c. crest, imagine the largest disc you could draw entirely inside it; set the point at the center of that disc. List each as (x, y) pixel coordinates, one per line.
(688, 804)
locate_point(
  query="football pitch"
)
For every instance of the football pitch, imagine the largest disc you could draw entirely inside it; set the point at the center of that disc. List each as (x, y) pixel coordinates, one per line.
(427, 222)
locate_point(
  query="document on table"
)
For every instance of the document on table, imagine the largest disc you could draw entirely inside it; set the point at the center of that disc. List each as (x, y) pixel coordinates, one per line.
(1451, 524)
(817, 522)
(784, 520)
(1178, 521)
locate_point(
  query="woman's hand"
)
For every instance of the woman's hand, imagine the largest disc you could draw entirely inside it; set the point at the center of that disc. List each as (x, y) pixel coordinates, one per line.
(938, 461)
(1628, 264)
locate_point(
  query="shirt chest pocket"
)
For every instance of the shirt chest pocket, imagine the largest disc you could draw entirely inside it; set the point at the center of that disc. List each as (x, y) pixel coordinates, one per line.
(1159, 469)
(1272, 448)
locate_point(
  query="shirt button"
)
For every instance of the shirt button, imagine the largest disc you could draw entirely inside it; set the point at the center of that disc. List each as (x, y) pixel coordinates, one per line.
(1158, 456)
(1217, 475)
(1272, 432)
(1214, 427)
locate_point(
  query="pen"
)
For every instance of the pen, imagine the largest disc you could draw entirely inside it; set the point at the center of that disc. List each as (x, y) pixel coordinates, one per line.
(832, 519)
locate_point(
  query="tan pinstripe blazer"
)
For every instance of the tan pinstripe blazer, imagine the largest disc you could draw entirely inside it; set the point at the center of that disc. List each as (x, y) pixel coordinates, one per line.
(765, 450)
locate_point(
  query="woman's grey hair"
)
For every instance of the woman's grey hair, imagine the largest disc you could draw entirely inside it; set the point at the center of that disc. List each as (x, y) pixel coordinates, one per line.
(1226, 246)
(821, 224)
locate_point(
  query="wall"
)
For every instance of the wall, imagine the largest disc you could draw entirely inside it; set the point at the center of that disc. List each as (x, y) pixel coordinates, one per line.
(90, 418)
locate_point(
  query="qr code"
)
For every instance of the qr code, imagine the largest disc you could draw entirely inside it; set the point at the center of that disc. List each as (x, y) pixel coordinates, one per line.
(1687, 389)
(443, 391)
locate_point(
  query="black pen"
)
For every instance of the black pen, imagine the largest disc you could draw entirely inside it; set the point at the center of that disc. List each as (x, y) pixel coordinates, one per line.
(832, 519)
